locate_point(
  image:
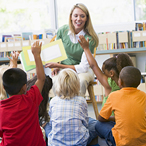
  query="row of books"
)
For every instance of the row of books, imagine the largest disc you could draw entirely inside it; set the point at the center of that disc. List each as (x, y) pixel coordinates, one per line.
(125, 39)
(15, 42)
(7, 47)
(143, 78)
(48, 33)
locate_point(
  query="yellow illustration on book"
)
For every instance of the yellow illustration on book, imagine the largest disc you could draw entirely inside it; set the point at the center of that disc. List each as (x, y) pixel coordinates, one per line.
(52, 52)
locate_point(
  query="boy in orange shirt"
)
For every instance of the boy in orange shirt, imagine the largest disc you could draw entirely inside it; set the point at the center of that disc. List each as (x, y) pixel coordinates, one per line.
(129, 106)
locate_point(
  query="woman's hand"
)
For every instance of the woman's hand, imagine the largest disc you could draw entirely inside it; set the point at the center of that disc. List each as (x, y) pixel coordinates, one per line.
(13, 59)
(52, 65)
(83, 42)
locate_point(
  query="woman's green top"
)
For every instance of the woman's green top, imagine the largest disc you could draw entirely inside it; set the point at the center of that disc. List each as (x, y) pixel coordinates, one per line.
(114, 87)
(73, 50)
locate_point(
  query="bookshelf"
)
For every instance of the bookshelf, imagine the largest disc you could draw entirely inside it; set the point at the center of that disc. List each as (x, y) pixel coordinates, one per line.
(116, 51)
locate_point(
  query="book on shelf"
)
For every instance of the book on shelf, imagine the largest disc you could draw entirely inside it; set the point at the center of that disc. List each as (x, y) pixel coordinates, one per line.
(144, 28)
(37, 36)
(51, 52)
(27, 35)
(4, 37)
(50, 33)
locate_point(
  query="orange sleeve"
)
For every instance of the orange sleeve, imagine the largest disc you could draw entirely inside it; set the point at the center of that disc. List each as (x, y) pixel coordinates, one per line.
(106, 110)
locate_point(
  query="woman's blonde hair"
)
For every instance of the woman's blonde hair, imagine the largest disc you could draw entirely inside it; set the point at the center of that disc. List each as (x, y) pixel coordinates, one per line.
(67, 84)
(88, 28)
(3, 94)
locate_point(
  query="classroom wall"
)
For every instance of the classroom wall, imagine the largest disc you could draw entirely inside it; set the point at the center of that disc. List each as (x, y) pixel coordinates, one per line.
(141, 61)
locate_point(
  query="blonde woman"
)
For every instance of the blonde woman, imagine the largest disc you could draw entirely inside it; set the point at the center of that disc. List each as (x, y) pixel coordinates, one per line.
(3, 68)
(68, 112)
(79, 24)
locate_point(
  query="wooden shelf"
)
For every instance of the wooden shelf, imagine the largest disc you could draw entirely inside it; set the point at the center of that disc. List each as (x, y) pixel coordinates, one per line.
(116, 51)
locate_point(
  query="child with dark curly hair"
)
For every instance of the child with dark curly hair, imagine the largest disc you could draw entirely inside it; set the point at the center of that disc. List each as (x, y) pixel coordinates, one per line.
(108, 76)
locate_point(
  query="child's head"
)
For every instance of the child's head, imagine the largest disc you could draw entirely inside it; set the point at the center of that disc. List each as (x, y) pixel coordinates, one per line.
(67, 84)
(116, 64)
(45, 91)
(129, 77)
(13, 80)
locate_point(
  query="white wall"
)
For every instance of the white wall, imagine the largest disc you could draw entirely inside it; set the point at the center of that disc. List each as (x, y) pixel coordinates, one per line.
(141, 61)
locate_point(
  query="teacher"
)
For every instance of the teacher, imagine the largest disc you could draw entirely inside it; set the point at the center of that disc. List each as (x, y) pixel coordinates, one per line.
(79, 24)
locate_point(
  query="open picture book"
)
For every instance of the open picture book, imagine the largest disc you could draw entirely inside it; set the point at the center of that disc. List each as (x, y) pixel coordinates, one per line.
(51, 52)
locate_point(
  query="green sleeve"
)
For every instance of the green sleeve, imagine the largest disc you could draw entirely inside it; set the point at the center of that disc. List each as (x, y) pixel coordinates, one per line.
(114, 87)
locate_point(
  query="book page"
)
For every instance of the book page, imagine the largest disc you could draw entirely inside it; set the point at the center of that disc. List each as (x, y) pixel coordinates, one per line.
(31, 57)
(51, 53)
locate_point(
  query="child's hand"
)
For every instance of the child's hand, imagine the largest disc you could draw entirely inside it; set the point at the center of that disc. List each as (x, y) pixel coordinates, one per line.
(13, 59)
(83, 42)
(36, 48)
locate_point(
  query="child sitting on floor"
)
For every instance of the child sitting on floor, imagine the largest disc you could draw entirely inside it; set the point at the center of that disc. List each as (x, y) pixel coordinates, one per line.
(68, 112)
(129, 106)
(19, 124)
(43, 113)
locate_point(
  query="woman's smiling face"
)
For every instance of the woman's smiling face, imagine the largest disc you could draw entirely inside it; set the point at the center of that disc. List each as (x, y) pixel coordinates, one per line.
(79, 19)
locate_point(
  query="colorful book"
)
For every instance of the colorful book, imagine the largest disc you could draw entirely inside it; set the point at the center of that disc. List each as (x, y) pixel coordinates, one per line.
(24, 64)
(27, 35)
(4, 37)
(144, 44)
(52, 52)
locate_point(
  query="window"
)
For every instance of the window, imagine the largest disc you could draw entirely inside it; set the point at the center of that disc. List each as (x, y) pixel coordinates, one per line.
(103, 12)
(140, 10)
(24, 15)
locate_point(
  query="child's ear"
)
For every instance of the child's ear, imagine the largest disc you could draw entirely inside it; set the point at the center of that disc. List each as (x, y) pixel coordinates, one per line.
(112, 73)
(120, 83)
(23, 89)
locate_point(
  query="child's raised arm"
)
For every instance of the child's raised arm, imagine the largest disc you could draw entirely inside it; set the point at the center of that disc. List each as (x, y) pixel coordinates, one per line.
(13, 59)
(93, 64)
(36, 50)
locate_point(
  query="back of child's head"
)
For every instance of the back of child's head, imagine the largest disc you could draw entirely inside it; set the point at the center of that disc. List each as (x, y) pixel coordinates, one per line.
(116, 63)
(130, 76)
(43, 115)
(13, 80)
(67, 84)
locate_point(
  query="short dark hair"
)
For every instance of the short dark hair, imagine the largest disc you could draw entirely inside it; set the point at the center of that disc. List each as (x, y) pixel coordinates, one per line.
(13, 80)
(43, 114)
(131, 76)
